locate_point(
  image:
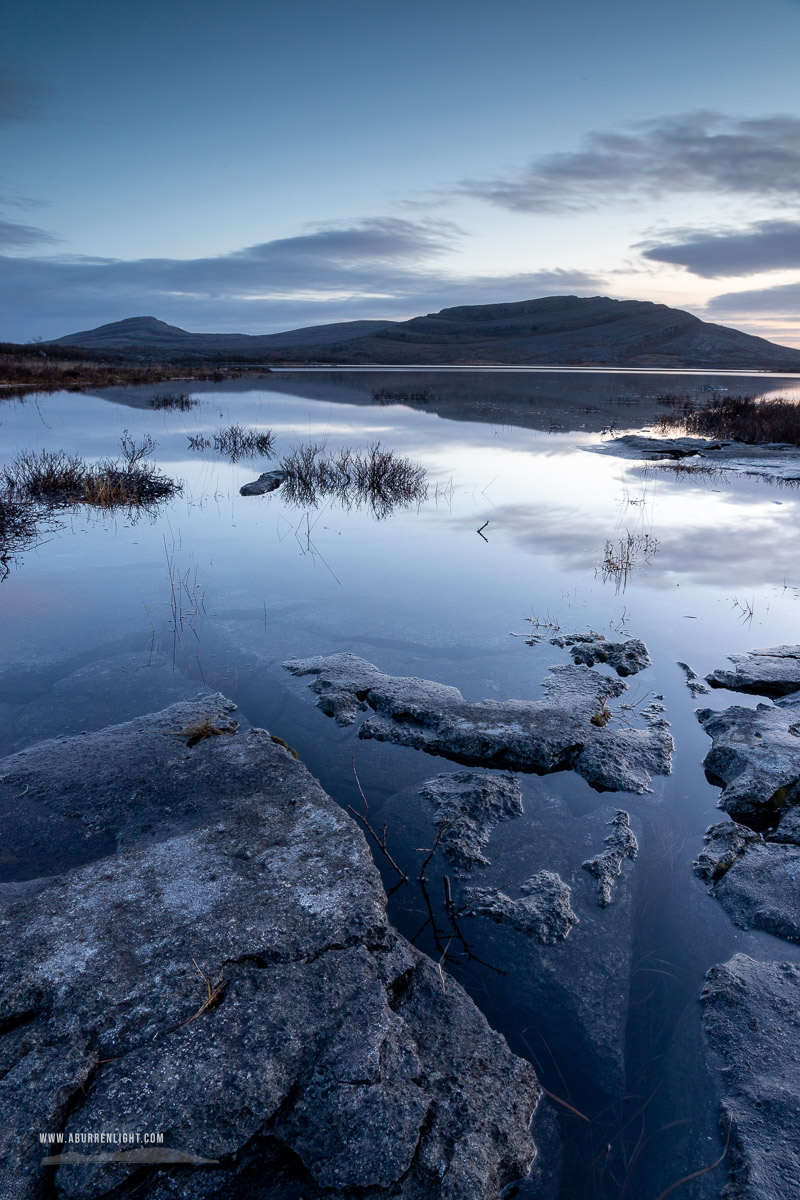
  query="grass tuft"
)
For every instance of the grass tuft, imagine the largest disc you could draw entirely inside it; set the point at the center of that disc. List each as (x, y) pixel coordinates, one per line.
(375, 478)
(61, 479)
(236, 442)
(173, 401)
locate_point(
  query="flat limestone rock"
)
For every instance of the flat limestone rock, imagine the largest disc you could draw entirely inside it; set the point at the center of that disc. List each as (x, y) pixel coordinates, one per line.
(757, 881)
(751, 1023)
(607, 866)
(774, 672)
(543, 911)
(552, 734)
(626, 658)
(468, 806)
(229, 979)
(755, 756)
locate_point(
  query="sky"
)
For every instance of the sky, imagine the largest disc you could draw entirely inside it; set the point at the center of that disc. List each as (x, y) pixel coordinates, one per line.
(256, 166)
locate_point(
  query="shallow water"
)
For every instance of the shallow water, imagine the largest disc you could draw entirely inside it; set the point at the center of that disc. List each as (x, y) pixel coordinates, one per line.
(225, 588)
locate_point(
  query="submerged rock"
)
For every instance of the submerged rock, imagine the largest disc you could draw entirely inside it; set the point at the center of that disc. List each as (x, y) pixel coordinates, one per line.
(693, 682)
(757, 881)
(468, 806)
(269, 481)
(607, 866)
(552, 734)
(626, 658)
(774, 671)
(771, 460)
(543, 911)
(751, 1022)
(230, 979)
(639, 445)
(755, 757)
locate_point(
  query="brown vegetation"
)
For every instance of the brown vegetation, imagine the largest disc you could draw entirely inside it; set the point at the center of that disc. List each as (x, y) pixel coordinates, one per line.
(60, 479)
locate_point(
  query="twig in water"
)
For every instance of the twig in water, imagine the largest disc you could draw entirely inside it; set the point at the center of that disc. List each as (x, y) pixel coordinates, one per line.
(380, 840)
(703, 1170)
(480, 531)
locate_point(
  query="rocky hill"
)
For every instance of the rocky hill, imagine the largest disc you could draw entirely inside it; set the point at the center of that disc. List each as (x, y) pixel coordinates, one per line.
(556, 330)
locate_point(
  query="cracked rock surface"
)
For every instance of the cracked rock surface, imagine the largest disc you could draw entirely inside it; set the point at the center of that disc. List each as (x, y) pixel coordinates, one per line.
(543, 911)
(607, 866)
(229, 978)
(552, 734)
(751, 1022)
(774, 671)
(468, 806)
(626, 658)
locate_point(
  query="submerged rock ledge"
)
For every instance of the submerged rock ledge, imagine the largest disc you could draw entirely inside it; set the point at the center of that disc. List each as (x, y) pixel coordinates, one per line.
(553, 734)
(229, 979)
(772, 460)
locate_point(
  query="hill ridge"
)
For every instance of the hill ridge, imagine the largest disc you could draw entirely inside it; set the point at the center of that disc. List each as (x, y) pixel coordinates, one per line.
(553, 330)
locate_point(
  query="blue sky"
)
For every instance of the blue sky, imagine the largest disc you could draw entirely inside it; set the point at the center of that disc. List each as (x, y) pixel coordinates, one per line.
(257, 167)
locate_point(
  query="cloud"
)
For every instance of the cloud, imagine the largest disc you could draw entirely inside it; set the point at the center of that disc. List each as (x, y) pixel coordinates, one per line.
(19, 97)
(370, 268)
(13, 234)
(782, 301)
(764, 246)
(691, 152)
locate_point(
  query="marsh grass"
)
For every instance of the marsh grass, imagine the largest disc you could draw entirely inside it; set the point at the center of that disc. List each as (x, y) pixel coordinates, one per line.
(173, 402)
(236, 442)
(59, 479)
(375, 478)
(387, 396)
(734, 418)
(18, 531)
(620, 558)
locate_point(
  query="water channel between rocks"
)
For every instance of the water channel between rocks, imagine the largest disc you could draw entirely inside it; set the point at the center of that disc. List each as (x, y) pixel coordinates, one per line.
(107, 617)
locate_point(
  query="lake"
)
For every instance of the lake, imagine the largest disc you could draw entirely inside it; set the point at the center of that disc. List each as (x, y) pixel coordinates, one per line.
(111, 615)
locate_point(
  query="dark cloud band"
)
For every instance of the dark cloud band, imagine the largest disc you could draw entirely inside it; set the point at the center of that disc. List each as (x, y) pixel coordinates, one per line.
(764, 246)
(693, 152)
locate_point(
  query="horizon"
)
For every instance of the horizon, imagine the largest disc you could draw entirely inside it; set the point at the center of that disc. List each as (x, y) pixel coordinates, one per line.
(262, 171)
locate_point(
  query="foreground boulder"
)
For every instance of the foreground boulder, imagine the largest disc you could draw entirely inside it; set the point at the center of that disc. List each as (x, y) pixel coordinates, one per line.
(755, 879)
(751, 1022)
(568, 729)
(755, 758)
(228, 979)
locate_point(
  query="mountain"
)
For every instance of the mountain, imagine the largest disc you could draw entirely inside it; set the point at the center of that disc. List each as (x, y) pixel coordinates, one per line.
(555, 331)
(149, 335)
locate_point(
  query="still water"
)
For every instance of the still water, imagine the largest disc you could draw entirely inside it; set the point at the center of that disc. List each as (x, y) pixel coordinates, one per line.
(223, 589)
